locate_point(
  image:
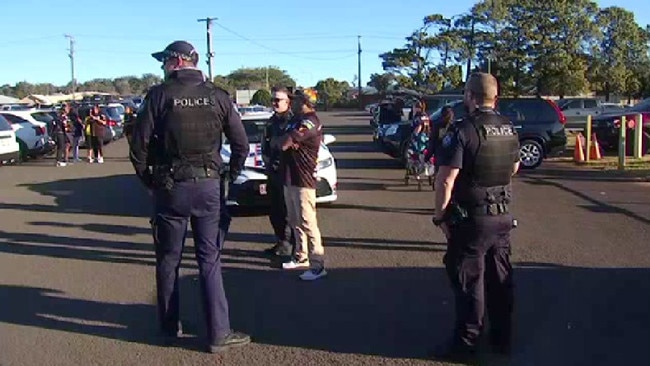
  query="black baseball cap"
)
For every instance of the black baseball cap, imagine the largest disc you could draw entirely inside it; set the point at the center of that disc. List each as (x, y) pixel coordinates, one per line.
(177, 49)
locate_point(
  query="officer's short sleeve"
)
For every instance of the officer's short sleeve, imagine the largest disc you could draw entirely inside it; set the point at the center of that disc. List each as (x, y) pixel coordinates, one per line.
(143, 132)
(452, 149)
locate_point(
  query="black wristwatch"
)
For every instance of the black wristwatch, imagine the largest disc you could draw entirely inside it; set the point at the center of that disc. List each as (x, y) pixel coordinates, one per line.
(437, 222)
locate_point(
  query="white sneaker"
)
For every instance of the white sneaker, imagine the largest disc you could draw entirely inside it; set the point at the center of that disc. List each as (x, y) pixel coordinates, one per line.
(313, 274)
(295, 264)
(100, 160)
(61, 163)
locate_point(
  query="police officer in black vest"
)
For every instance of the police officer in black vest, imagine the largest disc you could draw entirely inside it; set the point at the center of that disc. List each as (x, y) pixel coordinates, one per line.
(175, 150)
(477, 159)
(275, 128)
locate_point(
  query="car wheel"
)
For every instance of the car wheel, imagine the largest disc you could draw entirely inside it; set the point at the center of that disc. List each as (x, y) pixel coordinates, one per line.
(531, 154)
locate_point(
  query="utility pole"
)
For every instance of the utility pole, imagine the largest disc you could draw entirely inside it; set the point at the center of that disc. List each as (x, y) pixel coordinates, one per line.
(471, 48)
(210, 54)
(71, 55)
(359, 71)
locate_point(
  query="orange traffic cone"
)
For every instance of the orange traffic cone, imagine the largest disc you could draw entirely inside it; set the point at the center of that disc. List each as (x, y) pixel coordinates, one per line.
(578, 150)
(594, 149)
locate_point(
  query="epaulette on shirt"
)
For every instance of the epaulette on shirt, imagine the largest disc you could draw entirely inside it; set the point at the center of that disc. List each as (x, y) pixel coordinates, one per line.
(307, 124)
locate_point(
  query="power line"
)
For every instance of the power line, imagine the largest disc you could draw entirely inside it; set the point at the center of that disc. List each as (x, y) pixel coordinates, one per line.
(301, 55)
(348, 52)
(290, 37)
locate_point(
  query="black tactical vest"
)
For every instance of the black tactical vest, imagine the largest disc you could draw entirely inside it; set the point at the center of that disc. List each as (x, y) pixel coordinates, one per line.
(491, 171)
(191, 128)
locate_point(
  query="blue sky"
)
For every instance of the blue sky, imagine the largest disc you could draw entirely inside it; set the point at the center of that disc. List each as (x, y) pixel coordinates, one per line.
(116, 38)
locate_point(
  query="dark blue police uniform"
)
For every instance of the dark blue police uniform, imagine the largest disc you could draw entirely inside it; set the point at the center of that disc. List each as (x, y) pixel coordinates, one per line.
(485, 147)
(285, 239)
(175, 150)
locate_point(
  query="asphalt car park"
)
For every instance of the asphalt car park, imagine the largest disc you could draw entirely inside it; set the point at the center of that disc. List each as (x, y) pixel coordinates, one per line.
(77, 274)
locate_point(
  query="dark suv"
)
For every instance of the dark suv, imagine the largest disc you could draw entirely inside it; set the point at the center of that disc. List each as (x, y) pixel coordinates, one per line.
(539, 123)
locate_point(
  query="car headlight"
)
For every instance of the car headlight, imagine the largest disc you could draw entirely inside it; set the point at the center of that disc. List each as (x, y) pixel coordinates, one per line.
(391, 130)
(325, 163)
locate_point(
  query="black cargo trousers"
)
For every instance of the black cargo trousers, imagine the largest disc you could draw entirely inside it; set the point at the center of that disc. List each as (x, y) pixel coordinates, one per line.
(278, 212)
(478, 265)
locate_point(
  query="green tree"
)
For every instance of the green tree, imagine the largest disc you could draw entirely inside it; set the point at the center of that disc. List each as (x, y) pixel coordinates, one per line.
(620, 59)
(332, 91)
(381, 82)
(259, 78)
(224, 83)
(413, 60)
(262, 97)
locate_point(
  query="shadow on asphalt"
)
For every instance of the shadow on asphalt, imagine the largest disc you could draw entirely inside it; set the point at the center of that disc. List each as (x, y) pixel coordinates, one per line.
(369, 163)
(412, 211)
(582, 174)
(116, 195)
(349, 130)
(100, 250)
(352, 114)
(563, 315)
(596, 206)
(353, 147)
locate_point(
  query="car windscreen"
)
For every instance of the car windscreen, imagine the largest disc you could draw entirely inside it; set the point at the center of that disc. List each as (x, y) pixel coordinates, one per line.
(532, 110)
(254, 130)
(45, 117)
(112, 113)
(4, 124)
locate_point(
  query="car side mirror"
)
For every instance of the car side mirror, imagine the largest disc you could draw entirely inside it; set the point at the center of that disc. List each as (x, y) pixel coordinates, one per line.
(328, 139)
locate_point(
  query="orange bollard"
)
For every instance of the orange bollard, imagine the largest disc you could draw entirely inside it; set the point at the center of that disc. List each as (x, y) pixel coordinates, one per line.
(594, 149)
(578, 151)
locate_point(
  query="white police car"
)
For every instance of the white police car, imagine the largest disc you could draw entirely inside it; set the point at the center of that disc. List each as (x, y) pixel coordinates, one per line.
(250, 188)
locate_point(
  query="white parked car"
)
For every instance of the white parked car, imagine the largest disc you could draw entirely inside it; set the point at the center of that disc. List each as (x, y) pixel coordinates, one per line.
(9, 150)
(250, 188)
(32, 135)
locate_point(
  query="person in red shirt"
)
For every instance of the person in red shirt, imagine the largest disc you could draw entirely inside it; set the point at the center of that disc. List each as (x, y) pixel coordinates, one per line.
(300, 145)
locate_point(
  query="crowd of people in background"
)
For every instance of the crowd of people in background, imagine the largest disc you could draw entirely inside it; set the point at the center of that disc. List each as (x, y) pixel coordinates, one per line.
(73, 131)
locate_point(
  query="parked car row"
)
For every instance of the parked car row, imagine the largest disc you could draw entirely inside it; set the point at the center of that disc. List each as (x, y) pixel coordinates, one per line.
(607, 126)
(32, 130)
(539, 123)
(31, 134)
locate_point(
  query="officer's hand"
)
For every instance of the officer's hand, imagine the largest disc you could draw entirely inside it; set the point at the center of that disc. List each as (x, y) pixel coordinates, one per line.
(233, 175)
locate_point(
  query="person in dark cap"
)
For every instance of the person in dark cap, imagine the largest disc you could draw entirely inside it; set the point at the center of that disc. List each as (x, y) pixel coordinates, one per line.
(175, 150)
(477, 159)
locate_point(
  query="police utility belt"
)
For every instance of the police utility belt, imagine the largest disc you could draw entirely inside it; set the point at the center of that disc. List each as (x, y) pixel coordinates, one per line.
(165, 176)
(456, 213)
